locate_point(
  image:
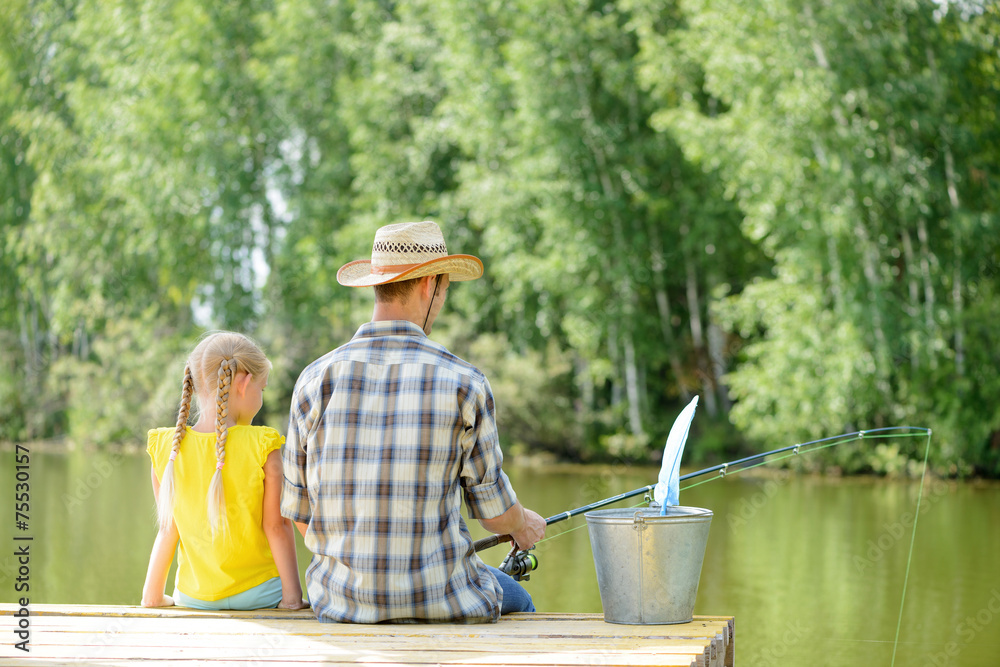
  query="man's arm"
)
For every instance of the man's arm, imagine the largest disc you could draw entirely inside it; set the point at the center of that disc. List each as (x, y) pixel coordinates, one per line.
(525, 526)
(486, 486)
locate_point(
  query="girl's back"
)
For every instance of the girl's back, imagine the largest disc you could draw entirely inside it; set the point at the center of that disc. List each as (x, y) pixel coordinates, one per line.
(217, 488)
(207, 568)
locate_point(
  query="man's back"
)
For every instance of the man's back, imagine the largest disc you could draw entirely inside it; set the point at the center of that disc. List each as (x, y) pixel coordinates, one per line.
(386, 435)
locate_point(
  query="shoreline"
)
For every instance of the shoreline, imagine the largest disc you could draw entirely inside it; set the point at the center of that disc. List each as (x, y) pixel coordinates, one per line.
(64, 445)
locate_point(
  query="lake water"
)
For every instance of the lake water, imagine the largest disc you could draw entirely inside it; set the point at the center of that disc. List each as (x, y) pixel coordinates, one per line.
(813, 568)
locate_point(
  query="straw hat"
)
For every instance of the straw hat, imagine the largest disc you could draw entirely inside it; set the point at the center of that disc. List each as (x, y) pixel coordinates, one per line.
(408, 250)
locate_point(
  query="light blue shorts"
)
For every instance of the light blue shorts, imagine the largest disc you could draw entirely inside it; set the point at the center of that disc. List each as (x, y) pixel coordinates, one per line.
(263, 596)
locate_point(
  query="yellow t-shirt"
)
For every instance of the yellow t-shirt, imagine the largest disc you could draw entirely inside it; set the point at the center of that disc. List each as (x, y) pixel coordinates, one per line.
(212, 569)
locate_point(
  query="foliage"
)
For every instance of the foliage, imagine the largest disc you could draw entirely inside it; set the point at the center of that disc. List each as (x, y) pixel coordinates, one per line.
(853, 141)
(788, 208)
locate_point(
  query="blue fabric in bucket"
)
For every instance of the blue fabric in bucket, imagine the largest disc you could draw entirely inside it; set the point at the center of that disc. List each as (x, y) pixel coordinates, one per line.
(668, 486)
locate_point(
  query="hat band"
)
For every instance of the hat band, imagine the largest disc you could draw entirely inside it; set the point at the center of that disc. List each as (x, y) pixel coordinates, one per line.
(394, 268)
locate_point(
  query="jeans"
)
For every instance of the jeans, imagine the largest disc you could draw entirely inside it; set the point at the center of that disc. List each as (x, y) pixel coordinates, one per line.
(515, 598)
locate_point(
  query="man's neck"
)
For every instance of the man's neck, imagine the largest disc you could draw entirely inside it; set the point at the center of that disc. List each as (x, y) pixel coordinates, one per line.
(395, 310)
(414, 306)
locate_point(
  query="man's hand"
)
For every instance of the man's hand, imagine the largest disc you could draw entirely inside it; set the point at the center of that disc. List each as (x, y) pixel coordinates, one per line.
(523, 525)
(532, 532)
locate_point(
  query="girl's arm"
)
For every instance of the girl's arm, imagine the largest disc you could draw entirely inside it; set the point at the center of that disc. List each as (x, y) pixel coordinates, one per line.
(280, 535)
(159, 560)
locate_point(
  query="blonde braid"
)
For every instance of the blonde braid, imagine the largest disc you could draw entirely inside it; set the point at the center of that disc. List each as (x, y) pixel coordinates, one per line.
(165, 499)
(216, 493)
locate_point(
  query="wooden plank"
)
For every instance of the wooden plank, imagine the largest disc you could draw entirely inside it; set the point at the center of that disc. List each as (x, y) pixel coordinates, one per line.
(536, 623)
(504, 629)
(150, 639)
(142, 641)
(128, 611)
(64, 634)
(80, 655)
(729, 660)
(129, 662)
(370, 655)
(305, 614)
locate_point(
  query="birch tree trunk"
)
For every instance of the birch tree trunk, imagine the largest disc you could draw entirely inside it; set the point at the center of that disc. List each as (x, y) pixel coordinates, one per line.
(626, 292)
(882, 356)
(953, 201)
(698, 337)
(913, 287)
(956, 281)
(632, 387)
(663, 308)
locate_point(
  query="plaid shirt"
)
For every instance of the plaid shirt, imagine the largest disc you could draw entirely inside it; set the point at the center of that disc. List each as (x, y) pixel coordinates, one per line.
(386, 435)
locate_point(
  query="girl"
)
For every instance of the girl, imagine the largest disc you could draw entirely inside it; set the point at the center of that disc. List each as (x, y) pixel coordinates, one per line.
(217, 487)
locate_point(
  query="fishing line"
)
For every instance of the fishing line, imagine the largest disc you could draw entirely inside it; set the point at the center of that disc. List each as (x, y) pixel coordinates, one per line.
(644, 503)
(750, 462)
(795, 450)
(773, 456)
(913, 537)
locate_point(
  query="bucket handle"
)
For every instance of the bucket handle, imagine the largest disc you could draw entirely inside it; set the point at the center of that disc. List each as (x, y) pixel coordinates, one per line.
(638, 521)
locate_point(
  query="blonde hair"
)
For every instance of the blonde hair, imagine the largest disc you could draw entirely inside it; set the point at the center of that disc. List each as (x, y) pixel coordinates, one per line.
(209, 373)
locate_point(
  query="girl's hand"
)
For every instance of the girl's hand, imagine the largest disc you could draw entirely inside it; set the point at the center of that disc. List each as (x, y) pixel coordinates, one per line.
(163, 601)
(293, 603)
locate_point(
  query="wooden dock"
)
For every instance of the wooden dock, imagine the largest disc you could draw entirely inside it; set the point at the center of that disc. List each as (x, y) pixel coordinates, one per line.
(106, 635)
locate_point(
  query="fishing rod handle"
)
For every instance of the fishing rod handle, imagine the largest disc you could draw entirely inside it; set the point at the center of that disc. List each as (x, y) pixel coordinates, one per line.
(489, 542)
(493, 540)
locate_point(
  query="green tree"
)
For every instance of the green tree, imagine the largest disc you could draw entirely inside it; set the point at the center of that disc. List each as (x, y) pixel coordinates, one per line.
(851, 137)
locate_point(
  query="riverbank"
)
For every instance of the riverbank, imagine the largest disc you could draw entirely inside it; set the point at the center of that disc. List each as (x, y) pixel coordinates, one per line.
(806, 465)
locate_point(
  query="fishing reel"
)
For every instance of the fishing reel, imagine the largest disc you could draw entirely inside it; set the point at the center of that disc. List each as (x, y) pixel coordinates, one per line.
(519, 564)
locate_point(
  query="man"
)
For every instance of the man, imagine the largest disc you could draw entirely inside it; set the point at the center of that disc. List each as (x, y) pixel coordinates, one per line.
(387, 435)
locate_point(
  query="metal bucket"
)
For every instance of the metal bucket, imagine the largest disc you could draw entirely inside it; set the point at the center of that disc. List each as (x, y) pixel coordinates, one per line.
(648, 566)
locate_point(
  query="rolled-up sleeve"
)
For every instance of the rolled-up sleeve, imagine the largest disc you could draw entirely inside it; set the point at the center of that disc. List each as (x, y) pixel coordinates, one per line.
(294, 492)
(488, 492)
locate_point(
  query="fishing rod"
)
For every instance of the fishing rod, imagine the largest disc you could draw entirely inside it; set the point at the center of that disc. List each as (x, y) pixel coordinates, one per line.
(493, 540)
(722, 469)
(671, 460)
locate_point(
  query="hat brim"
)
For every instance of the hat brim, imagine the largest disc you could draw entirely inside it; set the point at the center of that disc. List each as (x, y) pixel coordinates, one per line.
(458, 267)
